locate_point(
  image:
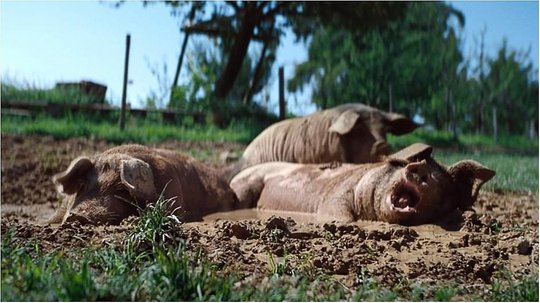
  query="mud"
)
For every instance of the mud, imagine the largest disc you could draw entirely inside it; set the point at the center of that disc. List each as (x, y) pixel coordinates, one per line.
(470, 250)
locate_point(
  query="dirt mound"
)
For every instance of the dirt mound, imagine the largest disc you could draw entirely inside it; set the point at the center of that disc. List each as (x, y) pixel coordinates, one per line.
(502, 232)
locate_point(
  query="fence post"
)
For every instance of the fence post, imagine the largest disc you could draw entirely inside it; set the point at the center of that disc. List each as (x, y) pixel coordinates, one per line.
(495, 131)
(122, 121)
(282, 110)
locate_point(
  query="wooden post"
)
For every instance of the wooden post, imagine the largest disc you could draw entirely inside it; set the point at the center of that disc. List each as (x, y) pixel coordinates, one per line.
(495, 123)
(179, 66)
(122, 121)
(390, 98)
(282, 110)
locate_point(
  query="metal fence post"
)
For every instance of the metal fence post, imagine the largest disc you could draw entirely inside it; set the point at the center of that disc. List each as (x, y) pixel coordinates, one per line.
(122, 121)
(282, 110)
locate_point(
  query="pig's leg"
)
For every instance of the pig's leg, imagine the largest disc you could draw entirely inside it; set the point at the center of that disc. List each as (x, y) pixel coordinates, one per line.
(62, 212)
(337, 208)
(248, 190)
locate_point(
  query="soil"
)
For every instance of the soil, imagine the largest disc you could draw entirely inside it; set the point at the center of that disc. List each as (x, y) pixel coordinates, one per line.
(469, 251)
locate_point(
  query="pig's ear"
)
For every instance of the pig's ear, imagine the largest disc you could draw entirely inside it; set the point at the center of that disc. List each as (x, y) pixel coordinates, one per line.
(345, 122)
(468, 177)
(137, 176)
(414, 152)
(70, 180)
(399, 124)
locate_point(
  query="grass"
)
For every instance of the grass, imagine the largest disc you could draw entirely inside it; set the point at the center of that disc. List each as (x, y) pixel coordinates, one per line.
(466, 142)
(15, 92)
(136, 131)
(514, 172)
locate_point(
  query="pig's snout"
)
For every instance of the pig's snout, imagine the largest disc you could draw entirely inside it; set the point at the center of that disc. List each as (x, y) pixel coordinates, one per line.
(75, 217)
(418, 172)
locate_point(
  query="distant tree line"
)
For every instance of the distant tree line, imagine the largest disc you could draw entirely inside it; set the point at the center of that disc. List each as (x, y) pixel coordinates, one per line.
(416, 65)
(397, 56)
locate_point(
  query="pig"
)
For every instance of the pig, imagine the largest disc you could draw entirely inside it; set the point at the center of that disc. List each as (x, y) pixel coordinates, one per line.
(349, 133)
(408, 188)
(117, 183)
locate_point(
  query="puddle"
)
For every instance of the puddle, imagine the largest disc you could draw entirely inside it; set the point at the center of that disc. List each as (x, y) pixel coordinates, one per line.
(260, 214)
(427, 230)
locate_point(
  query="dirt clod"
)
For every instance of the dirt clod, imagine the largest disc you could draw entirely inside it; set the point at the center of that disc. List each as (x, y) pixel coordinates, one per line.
(524, 247)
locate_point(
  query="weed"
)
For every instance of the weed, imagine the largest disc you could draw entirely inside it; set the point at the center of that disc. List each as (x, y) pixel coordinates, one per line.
(155, 226)
(505, 288)
(48, 162)
(444, 294)
(278, 268)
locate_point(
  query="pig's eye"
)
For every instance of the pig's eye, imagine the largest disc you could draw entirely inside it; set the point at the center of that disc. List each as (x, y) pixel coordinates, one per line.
(106, 167)
(123, 193)
(83, 187)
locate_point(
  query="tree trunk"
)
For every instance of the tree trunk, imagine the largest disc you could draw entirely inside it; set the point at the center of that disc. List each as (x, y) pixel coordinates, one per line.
(181, 56)
(255, 80)
(238, 51)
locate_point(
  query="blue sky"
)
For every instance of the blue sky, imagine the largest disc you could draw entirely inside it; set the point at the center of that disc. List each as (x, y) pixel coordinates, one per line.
(44, 42)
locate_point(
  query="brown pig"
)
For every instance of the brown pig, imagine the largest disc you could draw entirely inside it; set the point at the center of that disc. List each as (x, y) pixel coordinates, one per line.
(112, 185)
(410, 188)
(349, 133)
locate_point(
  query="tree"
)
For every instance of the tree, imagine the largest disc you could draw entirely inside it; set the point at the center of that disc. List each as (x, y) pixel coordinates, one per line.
(400, 67)
(512, 92)
(237, 23)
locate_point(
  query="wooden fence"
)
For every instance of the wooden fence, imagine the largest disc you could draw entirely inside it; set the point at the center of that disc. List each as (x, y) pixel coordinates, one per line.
(30, 109)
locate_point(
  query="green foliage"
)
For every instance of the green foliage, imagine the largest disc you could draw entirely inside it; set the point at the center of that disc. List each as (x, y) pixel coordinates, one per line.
(204, 63)
(404, 62)
(26, 92)
(277, 267)
(416, 65)
(237, 23)
(505, 288)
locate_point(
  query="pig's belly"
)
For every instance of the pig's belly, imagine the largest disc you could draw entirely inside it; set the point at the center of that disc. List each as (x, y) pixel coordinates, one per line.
(291, 194)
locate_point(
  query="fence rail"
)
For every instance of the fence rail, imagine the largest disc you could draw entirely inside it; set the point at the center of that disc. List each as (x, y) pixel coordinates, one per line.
(26, 108)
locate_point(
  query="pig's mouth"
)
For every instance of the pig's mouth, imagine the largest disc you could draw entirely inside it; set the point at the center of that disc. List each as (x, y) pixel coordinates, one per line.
(404, 198)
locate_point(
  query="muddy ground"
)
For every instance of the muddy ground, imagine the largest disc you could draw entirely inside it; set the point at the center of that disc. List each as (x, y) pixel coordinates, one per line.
(502, 233)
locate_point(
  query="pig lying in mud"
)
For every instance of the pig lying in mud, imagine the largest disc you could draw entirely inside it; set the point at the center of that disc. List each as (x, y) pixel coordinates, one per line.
(349, 133)
(408, 188)
(112, 185)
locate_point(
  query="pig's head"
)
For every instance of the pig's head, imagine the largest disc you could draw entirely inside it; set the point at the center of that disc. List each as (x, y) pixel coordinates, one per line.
(105, 189)
(363, 131)
(417, 190)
